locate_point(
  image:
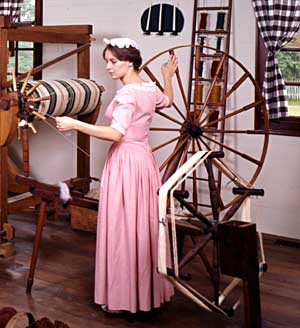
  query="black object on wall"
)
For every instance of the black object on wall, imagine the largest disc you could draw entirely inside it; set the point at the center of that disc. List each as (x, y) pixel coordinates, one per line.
(162, 18)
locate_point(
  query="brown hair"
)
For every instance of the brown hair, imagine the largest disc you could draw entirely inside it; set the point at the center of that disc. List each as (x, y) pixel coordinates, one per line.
(130, 54)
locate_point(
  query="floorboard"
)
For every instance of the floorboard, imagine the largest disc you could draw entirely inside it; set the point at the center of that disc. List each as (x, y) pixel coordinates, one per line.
(63, 286)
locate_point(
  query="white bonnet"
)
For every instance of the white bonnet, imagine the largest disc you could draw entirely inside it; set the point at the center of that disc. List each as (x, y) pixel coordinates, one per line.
(121, 42)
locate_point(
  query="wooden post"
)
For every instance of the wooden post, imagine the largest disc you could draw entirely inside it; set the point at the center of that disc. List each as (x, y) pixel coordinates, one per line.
(239, 258)
(3, 148)
(7, 248)
(25, 147)
(3, 187)
(83, 140)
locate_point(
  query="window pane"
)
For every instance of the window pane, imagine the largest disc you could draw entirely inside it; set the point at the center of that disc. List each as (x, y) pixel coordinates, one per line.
(27, 11)
(11, 62)
(294, 104)
(295, 42)
(25, 44)
(289, 63)
(25, 61)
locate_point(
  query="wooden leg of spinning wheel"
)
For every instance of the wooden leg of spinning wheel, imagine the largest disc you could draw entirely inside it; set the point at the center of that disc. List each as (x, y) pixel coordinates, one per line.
(212, 190)
(216, 271)
(36, 245)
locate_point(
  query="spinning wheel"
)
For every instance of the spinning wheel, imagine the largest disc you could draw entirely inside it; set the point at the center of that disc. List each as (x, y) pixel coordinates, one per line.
(211, 118)
(211, 146)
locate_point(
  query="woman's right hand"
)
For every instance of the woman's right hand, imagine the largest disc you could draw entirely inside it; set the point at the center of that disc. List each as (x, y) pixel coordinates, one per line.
(65, 123)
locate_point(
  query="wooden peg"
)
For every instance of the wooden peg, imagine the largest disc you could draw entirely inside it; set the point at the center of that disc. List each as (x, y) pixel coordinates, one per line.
(13, 74)
(18, 130)
(26, 81)
(33, 88)
(30, 124)
(40, 99)
(39, 115)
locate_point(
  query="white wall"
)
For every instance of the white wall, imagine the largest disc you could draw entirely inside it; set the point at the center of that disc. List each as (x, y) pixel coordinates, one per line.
(53, 158)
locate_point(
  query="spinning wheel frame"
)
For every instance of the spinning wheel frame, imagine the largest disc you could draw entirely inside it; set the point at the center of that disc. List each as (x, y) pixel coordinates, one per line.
(194, 124)
(198, 122)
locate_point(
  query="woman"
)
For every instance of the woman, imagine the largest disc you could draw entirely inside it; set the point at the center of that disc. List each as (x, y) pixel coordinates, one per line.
(126, 276)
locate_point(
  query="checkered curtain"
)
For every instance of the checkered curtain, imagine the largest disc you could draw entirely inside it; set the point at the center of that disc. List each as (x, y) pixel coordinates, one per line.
(278, 21)
(11, 8)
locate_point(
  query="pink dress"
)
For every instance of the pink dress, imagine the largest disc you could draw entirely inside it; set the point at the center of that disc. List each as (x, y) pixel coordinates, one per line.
(126, 276)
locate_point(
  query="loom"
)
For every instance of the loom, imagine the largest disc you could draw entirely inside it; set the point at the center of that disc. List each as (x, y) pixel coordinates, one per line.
(23, 102)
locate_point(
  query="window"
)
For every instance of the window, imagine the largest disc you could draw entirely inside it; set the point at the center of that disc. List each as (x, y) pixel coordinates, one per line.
(25, 55)
(289, 63)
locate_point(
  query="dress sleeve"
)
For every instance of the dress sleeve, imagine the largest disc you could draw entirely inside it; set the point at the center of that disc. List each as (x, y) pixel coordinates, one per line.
(123, 111)
(161, 99)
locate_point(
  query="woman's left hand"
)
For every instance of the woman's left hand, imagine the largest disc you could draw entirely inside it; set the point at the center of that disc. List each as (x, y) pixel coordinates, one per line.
(65, 123)
(169, 68)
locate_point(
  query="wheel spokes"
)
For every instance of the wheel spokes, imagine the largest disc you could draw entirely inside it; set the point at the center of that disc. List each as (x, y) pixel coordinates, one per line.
(228, 93)
(164, 129)
(168, 117)
(165, 143)
(154, 79)
(236, 112)
(174, 158)
(206, 123)
(213, 130)
(243, 155)
(179, 81)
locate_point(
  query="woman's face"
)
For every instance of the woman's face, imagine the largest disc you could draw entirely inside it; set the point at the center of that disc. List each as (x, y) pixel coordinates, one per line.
(117, 69)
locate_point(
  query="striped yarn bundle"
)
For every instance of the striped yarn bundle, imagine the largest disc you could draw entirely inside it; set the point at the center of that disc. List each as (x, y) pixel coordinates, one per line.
(67, 97)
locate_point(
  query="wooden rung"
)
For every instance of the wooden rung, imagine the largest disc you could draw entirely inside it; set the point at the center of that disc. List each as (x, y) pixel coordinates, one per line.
(214, 32)
(187, 227)
(212, 8)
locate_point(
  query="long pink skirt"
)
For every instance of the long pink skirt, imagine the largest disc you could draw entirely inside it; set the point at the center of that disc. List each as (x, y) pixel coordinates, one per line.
(126, 276)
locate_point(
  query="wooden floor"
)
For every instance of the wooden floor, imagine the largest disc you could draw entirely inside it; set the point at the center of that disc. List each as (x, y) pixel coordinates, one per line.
(63, 286)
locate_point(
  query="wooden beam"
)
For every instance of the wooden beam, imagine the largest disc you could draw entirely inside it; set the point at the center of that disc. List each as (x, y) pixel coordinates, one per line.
(83, 140)
(75, 29)
(51, 34)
